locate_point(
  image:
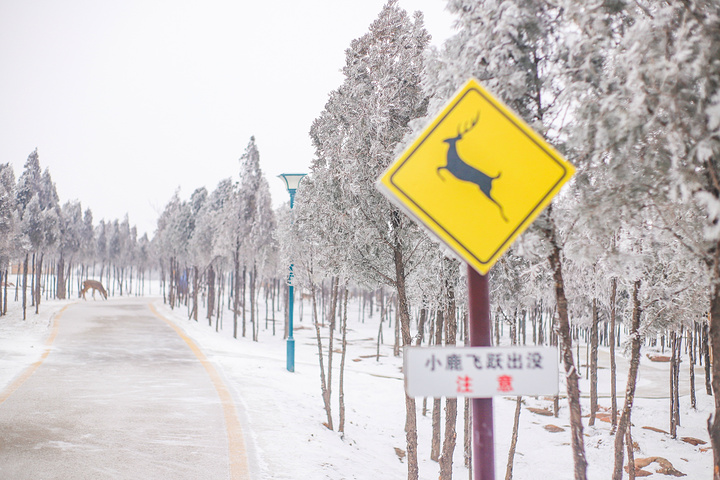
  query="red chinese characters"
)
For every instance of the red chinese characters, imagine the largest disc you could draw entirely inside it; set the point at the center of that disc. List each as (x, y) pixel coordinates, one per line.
(505, 383)
(464, 384)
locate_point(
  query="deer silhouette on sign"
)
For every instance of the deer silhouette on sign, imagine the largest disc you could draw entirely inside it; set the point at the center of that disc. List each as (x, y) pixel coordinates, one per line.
(465, 172)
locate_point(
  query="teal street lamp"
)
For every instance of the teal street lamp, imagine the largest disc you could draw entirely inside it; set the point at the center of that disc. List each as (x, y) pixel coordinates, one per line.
(292, 180)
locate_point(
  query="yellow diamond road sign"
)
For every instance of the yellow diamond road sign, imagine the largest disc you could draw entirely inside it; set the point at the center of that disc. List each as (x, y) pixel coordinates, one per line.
(477, 176)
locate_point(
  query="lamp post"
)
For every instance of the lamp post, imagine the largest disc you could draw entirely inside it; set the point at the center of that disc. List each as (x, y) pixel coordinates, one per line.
(292, 180)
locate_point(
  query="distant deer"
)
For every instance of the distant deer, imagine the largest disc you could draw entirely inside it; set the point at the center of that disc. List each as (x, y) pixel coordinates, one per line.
(467, 173)
(95, 285)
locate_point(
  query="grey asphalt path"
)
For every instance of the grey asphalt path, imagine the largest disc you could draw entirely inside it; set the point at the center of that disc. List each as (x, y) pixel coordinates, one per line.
(120, 396)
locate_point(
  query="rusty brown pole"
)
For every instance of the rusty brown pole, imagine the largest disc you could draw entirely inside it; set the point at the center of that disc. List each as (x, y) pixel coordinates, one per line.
(483, 450)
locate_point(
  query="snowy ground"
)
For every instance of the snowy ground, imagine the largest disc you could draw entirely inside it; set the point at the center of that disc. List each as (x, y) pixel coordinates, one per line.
(283, 416)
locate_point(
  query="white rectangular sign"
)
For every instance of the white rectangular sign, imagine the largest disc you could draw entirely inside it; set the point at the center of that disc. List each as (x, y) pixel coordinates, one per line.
(480, 372)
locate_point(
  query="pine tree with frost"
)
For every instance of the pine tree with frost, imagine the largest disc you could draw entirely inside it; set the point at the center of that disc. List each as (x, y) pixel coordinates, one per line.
(8, 226)
(656, 122)
(252, 233)
(221, 218)
(87, 237)
(100, 244)
(515, 49)
(196, 263)
(209, 245)
(356, 137)
(29, 182)
(257, 224)
(171, 241)
(311, 255)
(71, 229)
(38, 209)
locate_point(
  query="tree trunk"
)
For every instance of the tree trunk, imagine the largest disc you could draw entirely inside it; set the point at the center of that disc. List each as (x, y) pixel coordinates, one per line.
(334, 281)
(380, 335)
(396, 343)
(571, 374)
(593, 363)
(514, 437)
(173, 287)
(714, 335)
(437, 402)
(220, 290)
(421, 326)
(448, 449)
(38, 284)
(513, 441)
(468, 415)
(211, 294)
(331, 339)
(265, 286)
(410, 412)
(341, 388)
(196, 287)
(254, 320)
(692, 343)
(24, 287)
(241, 295)
(673, 361)
(68, 279)
(706, 355)
(5, 297)
(236, 291)
(325, 390)
(624, 423)
(32, 281)
(613, 365)
(678, 355)
(631, 453)
(61, 293)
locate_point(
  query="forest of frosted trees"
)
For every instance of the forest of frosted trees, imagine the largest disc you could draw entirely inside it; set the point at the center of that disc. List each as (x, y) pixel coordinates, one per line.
(48, 249)
(628, 91)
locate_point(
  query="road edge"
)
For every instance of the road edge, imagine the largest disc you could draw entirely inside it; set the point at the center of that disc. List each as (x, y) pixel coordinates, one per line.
(237, 452)
(28, 372)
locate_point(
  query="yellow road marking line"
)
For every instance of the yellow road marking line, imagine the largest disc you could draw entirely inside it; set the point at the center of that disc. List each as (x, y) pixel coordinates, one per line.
(236, 443)
(31, 369)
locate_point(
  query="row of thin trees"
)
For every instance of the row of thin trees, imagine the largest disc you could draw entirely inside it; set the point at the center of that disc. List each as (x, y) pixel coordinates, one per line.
(48, 249)
(632, 239)
(628, 91)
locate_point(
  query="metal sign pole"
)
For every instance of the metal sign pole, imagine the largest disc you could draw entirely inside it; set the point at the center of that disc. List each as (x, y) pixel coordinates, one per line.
(483, 451)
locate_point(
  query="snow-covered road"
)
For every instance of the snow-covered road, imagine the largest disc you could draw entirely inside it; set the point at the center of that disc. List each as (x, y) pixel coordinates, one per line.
(120, 395)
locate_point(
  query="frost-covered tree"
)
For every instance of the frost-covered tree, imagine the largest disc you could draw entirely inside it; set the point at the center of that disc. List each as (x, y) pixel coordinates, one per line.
(654, 121)
(255, 243)
(356, 137)
(28, 207)
(208, 245)
(174, 229)
(71, 237)
(50, 204)
(87, 242)
(28, 184)
(39, 213)
(125, 257)
(100, 238)
(196, 204)
(8, 228)
(143, 260)
(515, 49)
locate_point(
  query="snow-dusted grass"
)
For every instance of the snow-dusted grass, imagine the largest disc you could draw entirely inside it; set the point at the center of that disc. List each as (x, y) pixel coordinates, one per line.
(282, 413)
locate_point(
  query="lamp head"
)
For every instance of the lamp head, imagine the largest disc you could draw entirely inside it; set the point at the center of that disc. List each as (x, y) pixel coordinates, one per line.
(292, 180)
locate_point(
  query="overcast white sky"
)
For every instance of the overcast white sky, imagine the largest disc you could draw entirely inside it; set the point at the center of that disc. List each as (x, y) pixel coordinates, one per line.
(127, 101)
